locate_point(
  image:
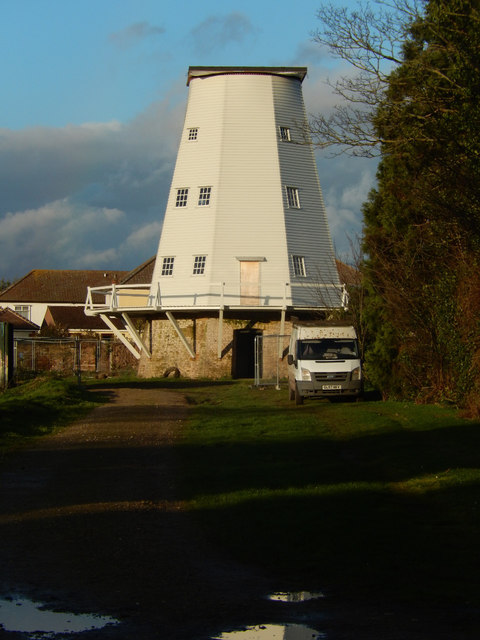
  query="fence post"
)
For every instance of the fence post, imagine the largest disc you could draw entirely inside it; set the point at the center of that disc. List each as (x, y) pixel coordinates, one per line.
(6, 354)
(78, 355)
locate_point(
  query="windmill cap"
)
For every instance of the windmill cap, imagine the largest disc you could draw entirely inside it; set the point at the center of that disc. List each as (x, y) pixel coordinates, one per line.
(290, 72)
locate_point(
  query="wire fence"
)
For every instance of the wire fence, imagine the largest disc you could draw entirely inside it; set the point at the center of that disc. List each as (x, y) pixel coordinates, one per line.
(69, 356)
(270, 359)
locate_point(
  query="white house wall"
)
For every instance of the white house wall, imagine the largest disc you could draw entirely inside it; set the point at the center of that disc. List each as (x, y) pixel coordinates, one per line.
(37, 310)
(239, 154)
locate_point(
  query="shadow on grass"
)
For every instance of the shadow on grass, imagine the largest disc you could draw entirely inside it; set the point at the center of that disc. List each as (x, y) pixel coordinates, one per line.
(362, 543)
(395, 512)
(160, 383)
(233, 465)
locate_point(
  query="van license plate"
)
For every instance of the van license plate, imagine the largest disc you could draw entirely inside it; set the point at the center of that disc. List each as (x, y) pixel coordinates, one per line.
(331, 387)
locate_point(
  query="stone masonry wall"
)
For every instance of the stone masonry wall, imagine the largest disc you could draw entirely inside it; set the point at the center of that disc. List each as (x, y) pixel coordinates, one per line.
(169, 353)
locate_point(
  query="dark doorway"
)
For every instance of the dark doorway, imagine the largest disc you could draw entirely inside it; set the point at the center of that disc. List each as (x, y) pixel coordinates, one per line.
(243, 356)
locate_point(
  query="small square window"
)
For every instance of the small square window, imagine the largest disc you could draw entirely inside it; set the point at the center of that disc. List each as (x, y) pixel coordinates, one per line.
(299, 266)
(292, 198)
(193, 133)
(182, 195)
(167, 266)
(204, 197)
(199, 265)
(285, 134)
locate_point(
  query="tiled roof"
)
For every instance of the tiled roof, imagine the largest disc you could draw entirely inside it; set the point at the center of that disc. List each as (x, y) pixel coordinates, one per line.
(16, 320)
(74, 318)
(142, 274)
(48, 285)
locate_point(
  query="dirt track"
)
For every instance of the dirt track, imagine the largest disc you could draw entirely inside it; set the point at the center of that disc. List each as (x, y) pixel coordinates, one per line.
(90, 521)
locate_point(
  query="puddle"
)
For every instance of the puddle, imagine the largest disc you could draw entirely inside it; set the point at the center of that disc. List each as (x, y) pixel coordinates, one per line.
(280, 631)
(273, 632)
(296, 596)
(19, 614)
(22, 615)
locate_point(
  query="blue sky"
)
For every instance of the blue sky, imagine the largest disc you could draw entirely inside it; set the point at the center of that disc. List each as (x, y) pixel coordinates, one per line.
(93, 99)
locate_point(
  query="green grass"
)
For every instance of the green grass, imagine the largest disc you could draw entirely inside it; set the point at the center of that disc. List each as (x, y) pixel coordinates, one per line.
(37, 407)
(349, 497)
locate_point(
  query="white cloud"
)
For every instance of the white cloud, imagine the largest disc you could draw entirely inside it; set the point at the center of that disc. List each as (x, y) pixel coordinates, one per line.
(216, 32)
(309, 53)
(346, 182)
(97, 259)
(57, 235)
(135, 33)
(77, 194)
(357, 192)
(141, 237)
(113, 215)
(113, 125)
(27, 223)
(318, 89)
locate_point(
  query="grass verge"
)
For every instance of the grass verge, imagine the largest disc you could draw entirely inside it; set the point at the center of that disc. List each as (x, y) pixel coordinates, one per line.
(354, 498)
(37, 407)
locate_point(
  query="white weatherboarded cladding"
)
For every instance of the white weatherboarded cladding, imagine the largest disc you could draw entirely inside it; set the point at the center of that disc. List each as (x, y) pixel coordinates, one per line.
(246, 236)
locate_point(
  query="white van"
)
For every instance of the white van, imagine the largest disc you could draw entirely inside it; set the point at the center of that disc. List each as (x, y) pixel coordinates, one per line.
(323, 361)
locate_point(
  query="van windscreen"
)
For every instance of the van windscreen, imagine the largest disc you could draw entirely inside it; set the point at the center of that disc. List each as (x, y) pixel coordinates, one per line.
(328, 349)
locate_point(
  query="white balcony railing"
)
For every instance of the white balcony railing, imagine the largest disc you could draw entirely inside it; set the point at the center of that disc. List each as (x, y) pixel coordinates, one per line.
(127, 298)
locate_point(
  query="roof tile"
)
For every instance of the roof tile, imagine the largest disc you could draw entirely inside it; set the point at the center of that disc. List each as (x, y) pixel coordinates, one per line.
(48, 285)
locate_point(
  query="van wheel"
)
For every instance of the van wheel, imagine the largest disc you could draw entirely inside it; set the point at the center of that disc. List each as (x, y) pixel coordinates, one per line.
(298, 396)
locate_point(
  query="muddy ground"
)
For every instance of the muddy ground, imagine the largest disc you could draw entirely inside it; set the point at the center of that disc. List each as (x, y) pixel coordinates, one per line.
(90, 521)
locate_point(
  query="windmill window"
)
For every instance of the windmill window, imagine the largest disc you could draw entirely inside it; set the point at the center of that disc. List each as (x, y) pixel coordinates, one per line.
(167, 266)
(193, 133)
(292, 198)
(204, 196)
(285, 134)
(182, 195)
(199, 265)
(299, 266)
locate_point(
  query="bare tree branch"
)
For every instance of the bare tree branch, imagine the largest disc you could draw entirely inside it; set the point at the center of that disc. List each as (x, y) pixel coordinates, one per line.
(370, 42)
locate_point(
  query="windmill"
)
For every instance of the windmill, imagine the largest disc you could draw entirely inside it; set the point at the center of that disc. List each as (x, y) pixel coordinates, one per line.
(245, 236)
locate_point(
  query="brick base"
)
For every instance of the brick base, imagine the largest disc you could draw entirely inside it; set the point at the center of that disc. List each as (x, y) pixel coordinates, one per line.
(169, 355)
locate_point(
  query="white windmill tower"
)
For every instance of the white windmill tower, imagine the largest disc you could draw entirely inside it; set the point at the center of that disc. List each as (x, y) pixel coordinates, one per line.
(245, 228)
(245, 243)
(245, 223)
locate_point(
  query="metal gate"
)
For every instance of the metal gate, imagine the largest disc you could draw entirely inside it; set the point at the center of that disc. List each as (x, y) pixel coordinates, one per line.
(270, 359)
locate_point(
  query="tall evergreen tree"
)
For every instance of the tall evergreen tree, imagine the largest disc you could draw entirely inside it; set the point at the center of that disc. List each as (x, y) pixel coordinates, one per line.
(422, 222)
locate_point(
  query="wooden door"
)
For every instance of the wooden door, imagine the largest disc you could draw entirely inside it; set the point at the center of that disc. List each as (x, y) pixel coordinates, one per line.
(250, 282)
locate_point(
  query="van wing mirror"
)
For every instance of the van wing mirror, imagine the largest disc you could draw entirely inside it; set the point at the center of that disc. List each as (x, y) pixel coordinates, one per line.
(290, 359)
